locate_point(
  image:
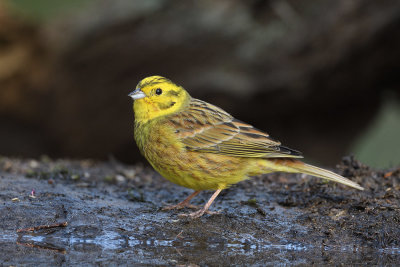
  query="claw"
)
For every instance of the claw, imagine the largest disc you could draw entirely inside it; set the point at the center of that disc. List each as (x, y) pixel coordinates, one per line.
(198, 213)
(183, 204)
(180, 206)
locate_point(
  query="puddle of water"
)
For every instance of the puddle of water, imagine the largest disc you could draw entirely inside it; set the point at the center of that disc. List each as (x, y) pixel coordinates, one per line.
(114, 242)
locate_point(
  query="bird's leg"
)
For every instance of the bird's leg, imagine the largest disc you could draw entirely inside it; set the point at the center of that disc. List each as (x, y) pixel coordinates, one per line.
(203, 210)
(184, 203)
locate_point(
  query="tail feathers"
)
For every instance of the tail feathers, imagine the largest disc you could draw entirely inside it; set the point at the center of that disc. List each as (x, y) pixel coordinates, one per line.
(322, 173)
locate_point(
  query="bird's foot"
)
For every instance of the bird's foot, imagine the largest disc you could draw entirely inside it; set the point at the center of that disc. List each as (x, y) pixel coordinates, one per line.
(180, 206)
(183, 204)
(198, 213)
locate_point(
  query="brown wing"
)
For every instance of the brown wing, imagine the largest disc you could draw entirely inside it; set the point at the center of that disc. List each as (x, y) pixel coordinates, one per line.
(206, 128)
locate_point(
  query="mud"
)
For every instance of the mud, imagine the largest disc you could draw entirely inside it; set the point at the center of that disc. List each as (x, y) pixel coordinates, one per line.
(114, 217)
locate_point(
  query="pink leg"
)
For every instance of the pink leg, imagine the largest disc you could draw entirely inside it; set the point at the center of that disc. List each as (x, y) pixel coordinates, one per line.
(203, 210)
(184, 203)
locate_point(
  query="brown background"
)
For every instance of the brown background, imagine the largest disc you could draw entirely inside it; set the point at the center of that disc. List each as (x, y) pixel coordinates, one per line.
(312, 74)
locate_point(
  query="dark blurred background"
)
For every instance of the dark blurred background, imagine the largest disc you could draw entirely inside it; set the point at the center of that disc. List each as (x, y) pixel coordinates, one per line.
(323, 77)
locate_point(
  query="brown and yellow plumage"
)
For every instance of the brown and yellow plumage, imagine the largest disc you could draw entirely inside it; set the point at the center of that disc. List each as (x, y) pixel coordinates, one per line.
(200, 146)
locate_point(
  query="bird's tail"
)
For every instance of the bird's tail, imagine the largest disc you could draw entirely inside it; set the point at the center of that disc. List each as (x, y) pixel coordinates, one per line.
(296, 166)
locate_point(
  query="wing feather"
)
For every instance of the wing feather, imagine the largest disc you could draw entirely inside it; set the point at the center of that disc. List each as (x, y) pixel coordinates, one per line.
(206, 128)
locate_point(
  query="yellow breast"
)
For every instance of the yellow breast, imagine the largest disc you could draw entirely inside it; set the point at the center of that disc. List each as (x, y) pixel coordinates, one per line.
(196, 170)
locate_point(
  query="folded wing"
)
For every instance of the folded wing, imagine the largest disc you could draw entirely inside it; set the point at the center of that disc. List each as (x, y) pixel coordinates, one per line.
(206, 128)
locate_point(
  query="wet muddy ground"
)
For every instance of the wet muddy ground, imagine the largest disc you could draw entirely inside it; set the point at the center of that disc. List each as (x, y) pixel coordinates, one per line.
(113, 215)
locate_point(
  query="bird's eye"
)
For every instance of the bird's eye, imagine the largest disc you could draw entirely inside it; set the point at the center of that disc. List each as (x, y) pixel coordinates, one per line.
(158, 91)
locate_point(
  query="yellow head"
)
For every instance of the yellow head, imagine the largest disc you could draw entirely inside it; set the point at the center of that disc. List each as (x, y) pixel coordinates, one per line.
(157, 96)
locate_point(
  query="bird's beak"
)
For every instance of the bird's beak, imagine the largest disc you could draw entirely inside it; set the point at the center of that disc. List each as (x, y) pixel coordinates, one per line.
(137, 94)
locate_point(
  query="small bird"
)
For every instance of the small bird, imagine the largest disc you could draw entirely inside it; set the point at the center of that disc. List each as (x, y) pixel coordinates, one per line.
(198, 145)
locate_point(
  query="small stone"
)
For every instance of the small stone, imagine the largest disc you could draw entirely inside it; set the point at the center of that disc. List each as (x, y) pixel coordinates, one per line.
(33, 164)
(119, 178)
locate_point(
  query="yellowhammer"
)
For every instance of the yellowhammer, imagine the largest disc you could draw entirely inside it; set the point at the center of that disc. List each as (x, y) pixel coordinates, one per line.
(200, 146)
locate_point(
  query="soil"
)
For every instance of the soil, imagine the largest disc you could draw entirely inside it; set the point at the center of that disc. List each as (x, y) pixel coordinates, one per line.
(113, 216)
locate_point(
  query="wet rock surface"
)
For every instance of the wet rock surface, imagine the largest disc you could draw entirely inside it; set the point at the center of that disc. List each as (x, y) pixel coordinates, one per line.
(113, 215)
